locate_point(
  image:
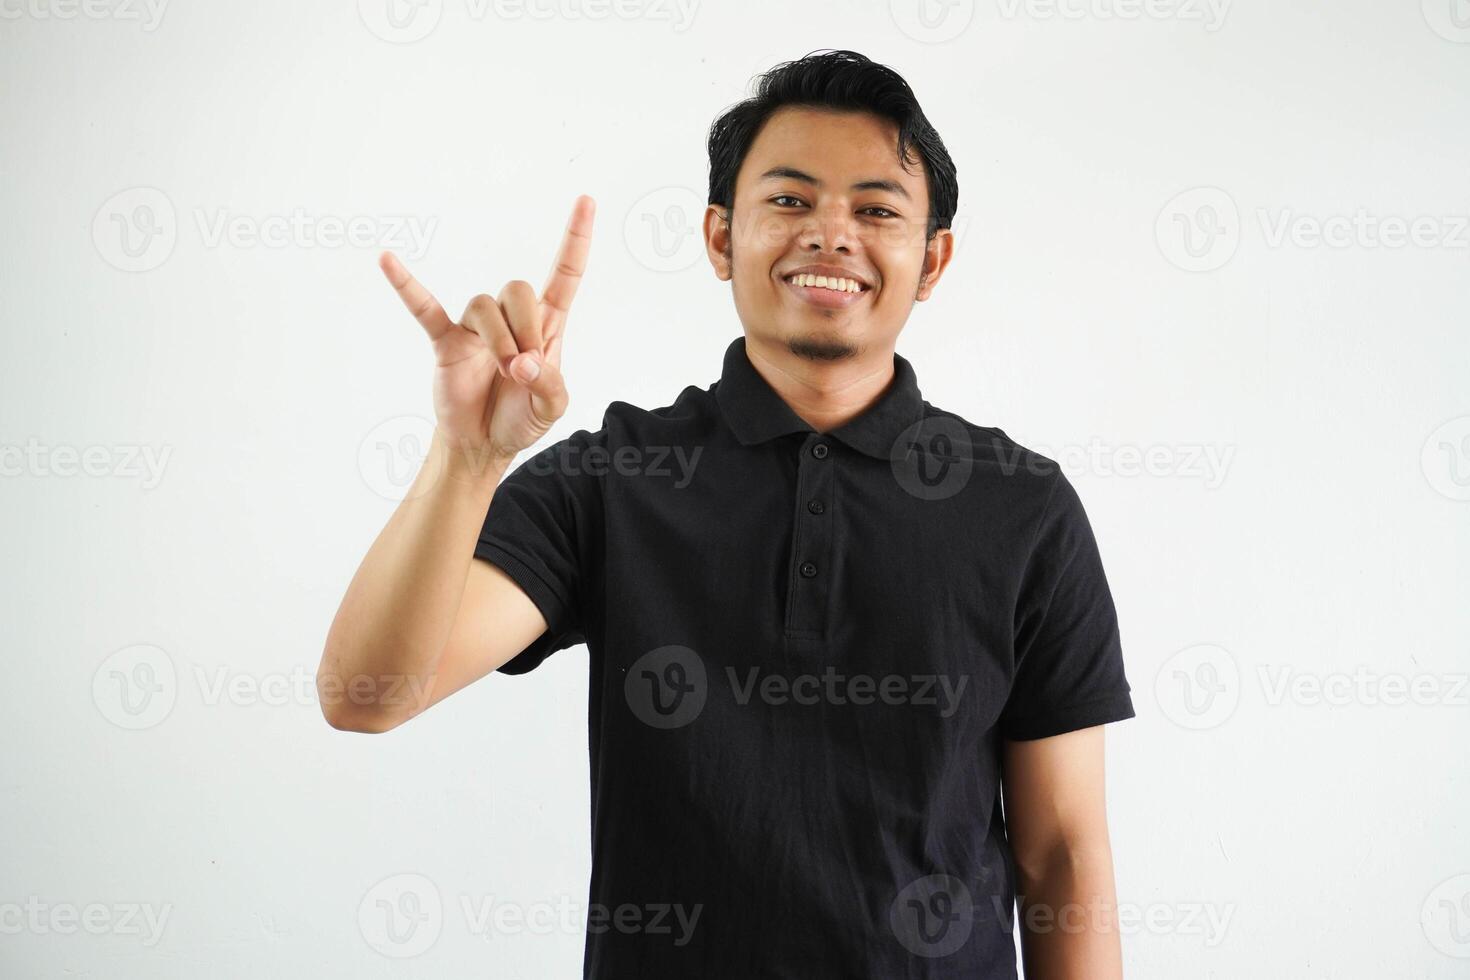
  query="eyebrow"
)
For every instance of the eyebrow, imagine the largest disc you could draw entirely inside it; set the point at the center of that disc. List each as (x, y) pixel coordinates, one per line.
(875, 184)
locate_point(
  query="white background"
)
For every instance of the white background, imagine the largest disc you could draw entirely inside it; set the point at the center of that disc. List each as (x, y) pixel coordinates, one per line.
(164, 753)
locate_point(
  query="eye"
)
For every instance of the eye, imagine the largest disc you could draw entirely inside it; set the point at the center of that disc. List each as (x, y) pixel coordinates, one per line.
(784, 197)
(886, 213)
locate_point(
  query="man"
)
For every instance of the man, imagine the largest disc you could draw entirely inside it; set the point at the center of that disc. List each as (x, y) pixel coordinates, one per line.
(830, 627)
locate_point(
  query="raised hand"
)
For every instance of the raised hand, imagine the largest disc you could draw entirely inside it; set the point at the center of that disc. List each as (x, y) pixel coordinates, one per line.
(497, 372)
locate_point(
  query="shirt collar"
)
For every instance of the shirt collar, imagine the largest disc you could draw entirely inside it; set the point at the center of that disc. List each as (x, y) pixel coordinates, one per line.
(756, 413)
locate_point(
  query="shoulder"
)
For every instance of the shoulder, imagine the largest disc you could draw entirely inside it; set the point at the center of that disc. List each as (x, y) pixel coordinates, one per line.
(998, 462)
(691, 412)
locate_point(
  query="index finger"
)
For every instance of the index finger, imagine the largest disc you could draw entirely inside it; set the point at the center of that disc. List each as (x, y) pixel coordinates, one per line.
(420, 302)
(566, 271)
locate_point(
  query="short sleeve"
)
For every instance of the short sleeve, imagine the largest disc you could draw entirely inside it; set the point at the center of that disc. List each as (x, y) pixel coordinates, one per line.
(1068, 656)
(543, 528)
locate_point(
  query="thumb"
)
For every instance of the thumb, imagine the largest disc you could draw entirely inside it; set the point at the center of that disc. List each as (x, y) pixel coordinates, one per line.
(544, 381)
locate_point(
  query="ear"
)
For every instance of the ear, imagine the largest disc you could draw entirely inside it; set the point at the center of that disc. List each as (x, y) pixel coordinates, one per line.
(717, 240)
(937, 253)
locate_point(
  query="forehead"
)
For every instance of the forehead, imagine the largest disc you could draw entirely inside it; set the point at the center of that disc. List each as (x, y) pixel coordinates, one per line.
(838, 148)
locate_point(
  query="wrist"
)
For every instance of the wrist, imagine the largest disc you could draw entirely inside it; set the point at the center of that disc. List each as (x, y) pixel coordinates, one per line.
(475, 465)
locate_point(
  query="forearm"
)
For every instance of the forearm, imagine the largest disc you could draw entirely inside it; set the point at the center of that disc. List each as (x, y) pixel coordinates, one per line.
(395, 619)
(1069, 920)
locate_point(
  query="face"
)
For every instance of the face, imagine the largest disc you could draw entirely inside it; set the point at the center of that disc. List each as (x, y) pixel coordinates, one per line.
(825, 190)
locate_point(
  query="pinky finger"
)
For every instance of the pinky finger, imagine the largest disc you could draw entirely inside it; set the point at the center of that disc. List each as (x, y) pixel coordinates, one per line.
(419, 301)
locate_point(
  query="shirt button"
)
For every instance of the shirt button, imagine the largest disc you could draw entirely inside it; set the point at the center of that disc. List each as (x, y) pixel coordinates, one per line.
(815, 506)
(820, 450)
(808, 569)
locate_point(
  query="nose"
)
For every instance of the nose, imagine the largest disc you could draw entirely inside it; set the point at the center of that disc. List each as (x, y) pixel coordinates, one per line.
(828, 228)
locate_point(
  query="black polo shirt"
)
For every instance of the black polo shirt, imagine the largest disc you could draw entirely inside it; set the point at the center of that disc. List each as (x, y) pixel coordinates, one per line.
(804, 650)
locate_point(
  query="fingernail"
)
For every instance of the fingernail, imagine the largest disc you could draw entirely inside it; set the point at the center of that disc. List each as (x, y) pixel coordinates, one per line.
(529, 368)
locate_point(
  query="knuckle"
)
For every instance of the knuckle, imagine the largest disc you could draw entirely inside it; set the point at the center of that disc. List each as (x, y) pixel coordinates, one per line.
(480, 305)
(517, 289)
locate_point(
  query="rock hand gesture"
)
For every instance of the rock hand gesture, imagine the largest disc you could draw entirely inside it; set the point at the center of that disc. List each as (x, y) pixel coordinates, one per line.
(497, 372)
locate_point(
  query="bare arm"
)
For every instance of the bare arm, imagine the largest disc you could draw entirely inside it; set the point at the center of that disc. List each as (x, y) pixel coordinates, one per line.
(422, 618)
(1057, 822)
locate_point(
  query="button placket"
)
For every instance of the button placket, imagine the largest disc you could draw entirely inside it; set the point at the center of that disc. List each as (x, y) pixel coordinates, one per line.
(810, 579)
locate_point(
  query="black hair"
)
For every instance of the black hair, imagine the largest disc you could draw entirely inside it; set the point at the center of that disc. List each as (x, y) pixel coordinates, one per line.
(843, 81)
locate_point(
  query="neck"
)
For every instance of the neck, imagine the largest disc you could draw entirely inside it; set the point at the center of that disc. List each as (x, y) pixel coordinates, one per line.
(824, 394)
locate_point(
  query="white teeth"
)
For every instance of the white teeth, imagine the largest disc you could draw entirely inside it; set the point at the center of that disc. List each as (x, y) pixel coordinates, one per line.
(840, 285)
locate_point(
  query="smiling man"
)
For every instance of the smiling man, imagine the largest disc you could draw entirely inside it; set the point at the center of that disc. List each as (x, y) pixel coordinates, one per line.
(848, 670)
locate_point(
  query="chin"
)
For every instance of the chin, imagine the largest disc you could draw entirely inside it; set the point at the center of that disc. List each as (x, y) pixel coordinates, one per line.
(823, 345)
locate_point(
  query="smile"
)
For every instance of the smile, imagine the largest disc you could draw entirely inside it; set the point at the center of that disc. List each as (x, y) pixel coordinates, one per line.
(825, 291)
